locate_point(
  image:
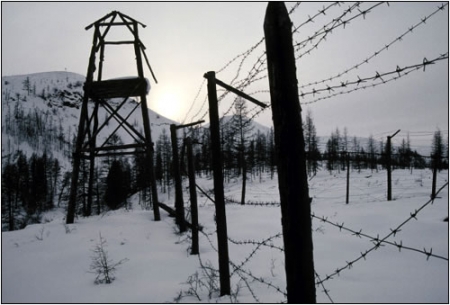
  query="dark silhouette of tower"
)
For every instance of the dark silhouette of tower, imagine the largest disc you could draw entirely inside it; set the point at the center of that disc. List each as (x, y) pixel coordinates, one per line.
(97, 93)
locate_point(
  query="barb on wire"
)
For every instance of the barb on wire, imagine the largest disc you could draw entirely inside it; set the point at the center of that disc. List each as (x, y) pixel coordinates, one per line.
(311, 19)
(335, 23)
(258, 66)
(349, 264)
(236, 268)
(195, 99)
(376, 240)
(239, 269)
(405, 70)
(296, 5)
(326, 291)
(303, 43)
(205, 100)
(264, 242)
(376, 53)
(245, 55)
(259, 279)
(377, 76)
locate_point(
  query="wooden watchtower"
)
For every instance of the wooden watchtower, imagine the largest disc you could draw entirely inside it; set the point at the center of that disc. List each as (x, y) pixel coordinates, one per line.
(97, 93)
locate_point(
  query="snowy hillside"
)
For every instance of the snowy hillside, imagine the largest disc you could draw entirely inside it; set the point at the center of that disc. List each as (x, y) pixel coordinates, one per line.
(52, 101)
(50, 262)
(253, 127)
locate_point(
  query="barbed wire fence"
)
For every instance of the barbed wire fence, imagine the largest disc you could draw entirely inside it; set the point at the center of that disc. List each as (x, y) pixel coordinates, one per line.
(240, 271)
(258, 72)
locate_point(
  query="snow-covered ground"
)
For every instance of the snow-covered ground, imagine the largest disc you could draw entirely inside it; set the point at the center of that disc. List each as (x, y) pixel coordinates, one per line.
(50, 262)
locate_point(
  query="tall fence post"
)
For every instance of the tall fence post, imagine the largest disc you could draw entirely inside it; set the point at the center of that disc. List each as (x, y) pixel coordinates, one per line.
(291, 161)
(193, 196)
(179, 205)
(435, 169)
(388, 166)
(347, 194)
(219, 197)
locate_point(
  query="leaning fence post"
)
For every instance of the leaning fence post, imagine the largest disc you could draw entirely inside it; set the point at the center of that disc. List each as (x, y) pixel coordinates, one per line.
(291, 161)
(219, 197)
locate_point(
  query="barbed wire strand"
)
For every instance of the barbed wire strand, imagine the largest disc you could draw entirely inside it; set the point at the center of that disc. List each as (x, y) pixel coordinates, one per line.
(258, 67)
(336, 23)
(400, 71)
(360, 234)
(300, 45)
(376, 53)
(378, 242)
(195, 99)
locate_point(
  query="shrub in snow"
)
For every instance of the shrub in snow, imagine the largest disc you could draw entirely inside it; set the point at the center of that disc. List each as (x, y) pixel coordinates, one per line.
(40, 235)
(102, 265)
(200, 283)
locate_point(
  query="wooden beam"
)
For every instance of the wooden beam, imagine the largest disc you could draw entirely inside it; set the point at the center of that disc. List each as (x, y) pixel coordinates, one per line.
(115, 88)
(172, 213)
(114, 13)
(119, 42)
(114, 147)
(113, 112)
(101, 19)
(240, 93)
(115, 23)
(124, 153)
(148, 63)
(133, 20)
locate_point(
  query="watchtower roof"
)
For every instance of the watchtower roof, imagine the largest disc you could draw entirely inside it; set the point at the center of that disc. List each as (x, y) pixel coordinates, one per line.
(125, 20)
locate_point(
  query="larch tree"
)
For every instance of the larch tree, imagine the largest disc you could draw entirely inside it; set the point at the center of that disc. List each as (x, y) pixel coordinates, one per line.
(311, 146)
(437, 149)
(242, 127)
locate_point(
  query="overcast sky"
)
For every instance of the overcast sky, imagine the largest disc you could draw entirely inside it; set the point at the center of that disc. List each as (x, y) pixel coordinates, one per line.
(185, 40)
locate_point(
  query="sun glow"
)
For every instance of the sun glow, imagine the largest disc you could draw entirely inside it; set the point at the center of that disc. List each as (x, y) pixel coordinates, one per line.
(169, 105)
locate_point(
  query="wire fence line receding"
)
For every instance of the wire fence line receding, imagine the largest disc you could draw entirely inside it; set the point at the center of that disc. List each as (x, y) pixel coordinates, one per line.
(241, 270)
(378, 242)
(250, 69)
(401, 72)
(257, 71)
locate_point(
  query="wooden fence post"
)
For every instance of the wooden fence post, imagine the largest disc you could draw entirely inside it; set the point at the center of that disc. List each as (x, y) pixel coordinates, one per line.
(435, 169)
(179, 205)
(290, 150)
(219, 197)
(193, 196)
(347, 195)
(388, 166)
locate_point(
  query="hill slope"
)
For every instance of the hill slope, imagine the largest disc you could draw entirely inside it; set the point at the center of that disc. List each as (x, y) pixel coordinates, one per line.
(40, 112)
